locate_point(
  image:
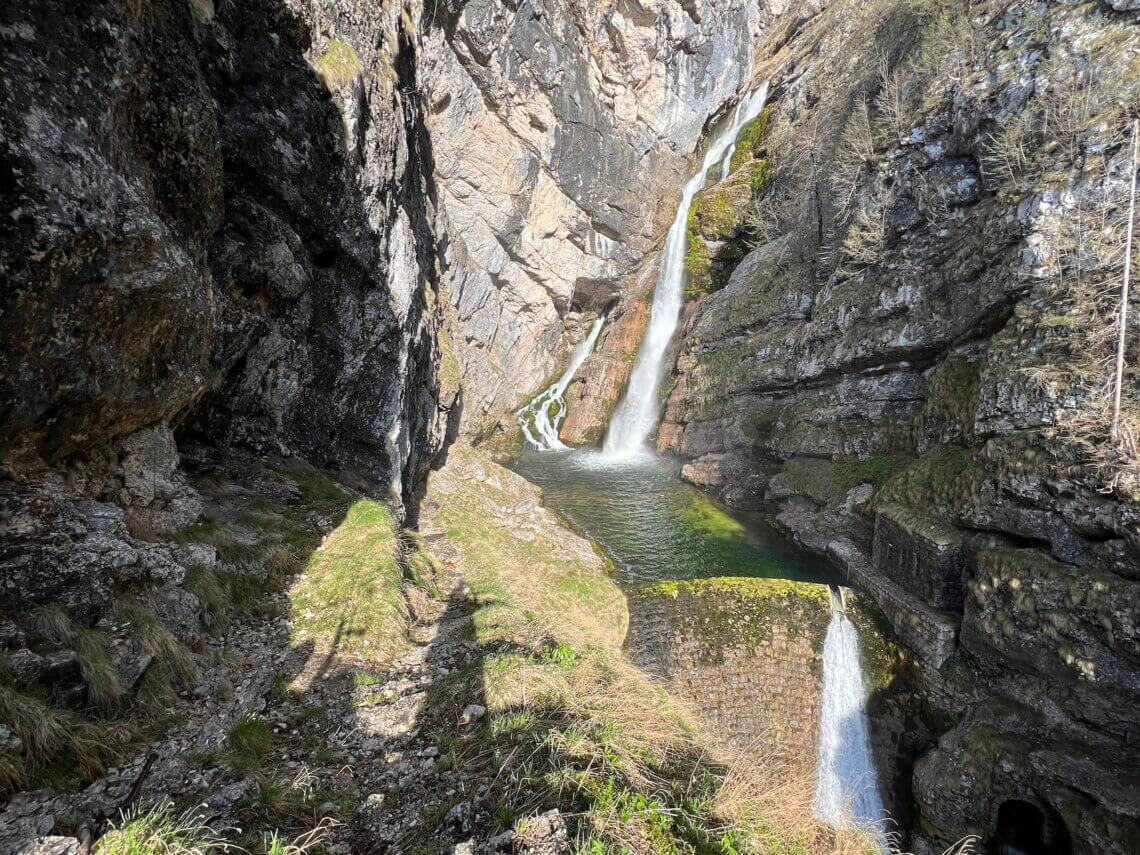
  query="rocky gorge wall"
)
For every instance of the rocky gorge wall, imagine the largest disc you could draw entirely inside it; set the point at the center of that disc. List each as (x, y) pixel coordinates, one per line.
(297, 227)
(227, 221)
(561, 135)
(903, 310)
(219, 234)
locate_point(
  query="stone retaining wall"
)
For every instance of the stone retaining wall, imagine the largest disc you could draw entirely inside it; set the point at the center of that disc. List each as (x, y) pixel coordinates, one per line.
(744, 654)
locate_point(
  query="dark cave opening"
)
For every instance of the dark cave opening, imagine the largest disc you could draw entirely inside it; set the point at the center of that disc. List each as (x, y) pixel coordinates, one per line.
(1023, 828)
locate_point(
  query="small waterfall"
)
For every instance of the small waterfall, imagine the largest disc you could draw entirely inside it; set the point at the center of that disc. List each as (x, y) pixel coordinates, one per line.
(546, 412)
(846, 792)
(750, 107)
(636, 415)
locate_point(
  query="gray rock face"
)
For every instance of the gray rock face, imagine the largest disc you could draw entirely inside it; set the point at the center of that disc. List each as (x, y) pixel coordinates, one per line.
(561, 134)
(911, 326)
(229, 212)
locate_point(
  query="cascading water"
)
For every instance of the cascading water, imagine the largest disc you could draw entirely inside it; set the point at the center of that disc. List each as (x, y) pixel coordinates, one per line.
(846, 792)
(750, 107)
(542, 417)
(635, 417)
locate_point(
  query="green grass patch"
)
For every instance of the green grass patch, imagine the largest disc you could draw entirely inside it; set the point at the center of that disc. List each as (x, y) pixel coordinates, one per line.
(249, 743)
(569, 721)
(161, 831)
(339, 65)
(349, 595)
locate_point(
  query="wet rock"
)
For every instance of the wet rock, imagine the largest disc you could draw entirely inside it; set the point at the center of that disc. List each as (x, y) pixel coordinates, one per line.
(545, 202)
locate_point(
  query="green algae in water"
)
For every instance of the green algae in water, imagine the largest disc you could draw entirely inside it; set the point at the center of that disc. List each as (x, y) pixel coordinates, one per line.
(654, 526)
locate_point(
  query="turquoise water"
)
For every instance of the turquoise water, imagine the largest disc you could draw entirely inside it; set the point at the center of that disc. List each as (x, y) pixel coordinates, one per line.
(654, 526)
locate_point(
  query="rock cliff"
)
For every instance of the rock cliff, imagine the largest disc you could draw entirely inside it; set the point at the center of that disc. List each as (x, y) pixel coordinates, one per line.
(219, 231)
(295, 228)
(561, 134)
(902, 343)
(226, 220)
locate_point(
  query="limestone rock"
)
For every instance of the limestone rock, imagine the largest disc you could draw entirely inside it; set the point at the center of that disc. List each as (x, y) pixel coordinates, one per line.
(197, 225)
(549, 120)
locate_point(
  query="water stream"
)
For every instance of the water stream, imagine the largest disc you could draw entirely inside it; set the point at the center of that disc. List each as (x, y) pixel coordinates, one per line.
(654, 526)
(541, 418)
(846, 791)
(636, 415)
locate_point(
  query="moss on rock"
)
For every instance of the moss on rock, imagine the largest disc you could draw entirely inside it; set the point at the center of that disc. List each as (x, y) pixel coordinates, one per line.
(698, 266)
(339, 65)
(752, 137)
(737, 611)
(717, 213)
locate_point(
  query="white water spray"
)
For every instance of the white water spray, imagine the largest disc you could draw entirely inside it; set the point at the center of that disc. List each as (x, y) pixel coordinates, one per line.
(547, 411)
(846, 792)
(637, 414)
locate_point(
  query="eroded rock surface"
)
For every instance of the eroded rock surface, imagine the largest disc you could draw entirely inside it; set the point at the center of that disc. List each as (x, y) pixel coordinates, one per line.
(229, 211)
(561, 134)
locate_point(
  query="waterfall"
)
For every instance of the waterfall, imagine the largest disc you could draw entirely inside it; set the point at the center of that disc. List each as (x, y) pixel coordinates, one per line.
(846, 792)
(635, 416)
(547, 411)
(750, 108)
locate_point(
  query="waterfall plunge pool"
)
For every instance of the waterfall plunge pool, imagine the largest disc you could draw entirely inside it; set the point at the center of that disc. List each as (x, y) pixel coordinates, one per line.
(654, 526)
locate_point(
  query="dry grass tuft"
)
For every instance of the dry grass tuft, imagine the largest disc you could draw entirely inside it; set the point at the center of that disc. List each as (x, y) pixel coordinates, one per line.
(771, 801)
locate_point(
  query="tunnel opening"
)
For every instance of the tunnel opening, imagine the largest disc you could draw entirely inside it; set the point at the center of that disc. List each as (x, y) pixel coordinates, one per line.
(1023, 828)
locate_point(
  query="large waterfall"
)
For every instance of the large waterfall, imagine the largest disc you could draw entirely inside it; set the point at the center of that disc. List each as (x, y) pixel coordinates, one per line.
(846, 792)
(635, 416)
(542, 417)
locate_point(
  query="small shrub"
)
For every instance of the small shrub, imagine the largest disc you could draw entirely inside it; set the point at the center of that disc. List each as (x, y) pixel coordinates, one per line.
(562, 655)
(865, 238)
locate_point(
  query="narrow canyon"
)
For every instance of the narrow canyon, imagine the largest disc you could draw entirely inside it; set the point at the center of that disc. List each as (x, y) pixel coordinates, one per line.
(553, 426)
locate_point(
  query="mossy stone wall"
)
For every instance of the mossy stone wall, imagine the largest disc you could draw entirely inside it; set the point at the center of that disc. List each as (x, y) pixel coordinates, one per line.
(744, 654)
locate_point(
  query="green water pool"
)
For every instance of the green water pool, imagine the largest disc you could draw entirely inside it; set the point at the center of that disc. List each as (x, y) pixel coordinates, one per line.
(655, 526)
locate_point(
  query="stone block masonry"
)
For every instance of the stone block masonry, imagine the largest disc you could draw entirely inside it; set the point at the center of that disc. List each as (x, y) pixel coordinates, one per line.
(922, 554)
(743, 654)
(931, 633)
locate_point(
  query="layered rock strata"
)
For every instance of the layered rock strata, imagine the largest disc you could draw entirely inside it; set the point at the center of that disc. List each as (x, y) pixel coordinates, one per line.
(561, 134)
(904, 361)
